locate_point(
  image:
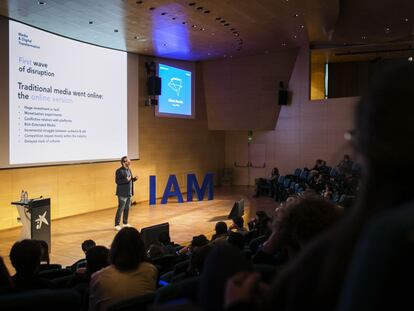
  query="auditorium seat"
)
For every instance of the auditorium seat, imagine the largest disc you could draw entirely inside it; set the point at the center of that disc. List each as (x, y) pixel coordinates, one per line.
(44, 300)
(186, 289)
(140, 303)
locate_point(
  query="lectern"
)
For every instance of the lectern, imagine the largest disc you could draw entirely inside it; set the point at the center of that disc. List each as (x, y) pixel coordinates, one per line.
(35, 217)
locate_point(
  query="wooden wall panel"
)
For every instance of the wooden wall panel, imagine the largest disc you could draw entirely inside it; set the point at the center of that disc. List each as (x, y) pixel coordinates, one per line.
(305, 130)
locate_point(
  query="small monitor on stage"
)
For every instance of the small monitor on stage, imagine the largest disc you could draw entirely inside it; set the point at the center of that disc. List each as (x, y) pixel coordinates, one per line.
(150, 234)
(237, 210)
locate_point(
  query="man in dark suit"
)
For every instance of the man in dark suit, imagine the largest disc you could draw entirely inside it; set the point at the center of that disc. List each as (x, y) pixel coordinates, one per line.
(124, 190)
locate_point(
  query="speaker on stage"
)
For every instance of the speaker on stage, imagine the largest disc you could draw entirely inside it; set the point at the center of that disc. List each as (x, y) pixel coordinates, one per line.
(237, 209)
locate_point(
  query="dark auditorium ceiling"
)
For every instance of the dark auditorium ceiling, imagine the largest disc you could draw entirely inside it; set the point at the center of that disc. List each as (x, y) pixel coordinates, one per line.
(211, 29)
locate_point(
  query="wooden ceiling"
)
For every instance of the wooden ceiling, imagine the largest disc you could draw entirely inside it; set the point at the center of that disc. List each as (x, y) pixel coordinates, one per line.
(211, 29)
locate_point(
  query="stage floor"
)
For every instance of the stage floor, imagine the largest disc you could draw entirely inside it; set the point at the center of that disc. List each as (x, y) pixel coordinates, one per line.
(186, 220)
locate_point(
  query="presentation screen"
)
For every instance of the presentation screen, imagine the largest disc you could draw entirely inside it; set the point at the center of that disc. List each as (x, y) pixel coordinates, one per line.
(176, 97)
(68, 100)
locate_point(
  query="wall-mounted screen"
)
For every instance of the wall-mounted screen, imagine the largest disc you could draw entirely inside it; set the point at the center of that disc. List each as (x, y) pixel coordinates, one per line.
(176, 97)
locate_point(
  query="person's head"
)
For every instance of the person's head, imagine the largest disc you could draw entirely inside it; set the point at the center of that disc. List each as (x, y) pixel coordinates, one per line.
(236, 239)
(198, 257)
(347, 158)
(155, 251)
(383, 137)
(164, 238)
(198, 241)
(127, 249)
(125, 161)
(238, 222)
(97, 257)
(221, 228)
(87, 244)
(303, 219)
(25, 257)
(45, 251)
(275, 171)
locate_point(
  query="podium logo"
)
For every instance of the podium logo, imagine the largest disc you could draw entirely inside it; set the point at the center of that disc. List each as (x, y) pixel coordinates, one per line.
(41, 220)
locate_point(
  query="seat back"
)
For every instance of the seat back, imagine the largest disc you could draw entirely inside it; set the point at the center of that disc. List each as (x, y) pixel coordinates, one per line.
(43, 299)
(141, 303)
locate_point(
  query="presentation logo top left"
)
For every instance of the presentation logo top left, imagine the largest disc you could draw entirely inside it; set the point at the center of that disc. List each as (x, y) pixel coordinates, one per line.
(24, 39)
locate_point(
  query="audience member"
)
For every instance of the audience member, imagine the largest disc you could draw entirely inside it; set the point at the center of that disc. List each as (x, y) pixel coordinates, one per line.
(221, 232)
(345, 166)
(238, 225)
(168, 246)
(129, 274)
(25, 257)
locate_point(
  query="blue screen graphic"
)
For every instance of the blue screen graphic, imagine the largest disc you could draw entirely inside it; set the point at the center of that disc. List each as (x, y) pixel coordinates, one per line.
(175, 95)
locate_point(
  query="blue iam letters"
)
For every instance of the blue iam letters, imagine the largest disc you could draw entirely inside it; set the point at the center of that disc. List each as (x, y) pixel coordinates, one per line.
(172, 189)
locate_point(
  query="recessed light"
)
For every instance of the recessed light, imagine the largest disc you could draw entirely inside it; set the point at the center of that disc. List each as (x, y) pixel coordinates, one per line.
(184, 23)
(202, 29)
(116, 30)
(364, 37)
(206, 12)
(174, 18)
(284, 44)
(405, 19)
(295, 36)
(191, 3)
(236, 34)
(151, 8)
(387, 30)
(223, 21)
(41, 3)
(410, 59)
(226, 24)
(296, 15)
(302, 26)
(200, 8)
(90, 22)
(194, 26)
(218, 18)
(140, 2)
(163, 13)
(165, 44)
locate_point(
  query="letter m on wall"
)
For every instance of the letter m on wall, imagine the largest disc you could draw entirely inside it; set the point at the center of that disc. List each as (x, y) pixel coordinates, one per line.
(192, 184)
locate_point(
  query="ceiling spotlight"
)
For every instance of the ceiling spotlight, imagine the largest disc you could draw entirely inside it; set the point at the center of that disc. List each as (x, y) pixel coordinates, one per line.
(191, 3)
(116, 30)
(194, 26)
(226, 24)
(136, 37)
(296, 15)
(295, 36)
(200, 8)
(302, 26)
(405, 19)
(152, 8)
(363, 37)
(206, 12)
(184, 23)
(410, 59)
(41, 3)
(140, 2)
(284, 44)
(218, 18)
(90, 22)
(387, 30)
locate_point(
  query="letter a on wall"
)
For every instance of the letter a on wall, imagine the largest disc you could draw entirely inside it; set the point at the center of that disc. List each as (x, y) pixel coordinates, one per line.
(172, 182)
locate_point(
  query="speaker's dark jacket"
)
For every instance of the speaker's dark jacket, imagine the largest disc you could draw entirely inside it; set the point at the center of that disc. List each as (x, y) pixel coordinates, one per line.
(124, 188)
